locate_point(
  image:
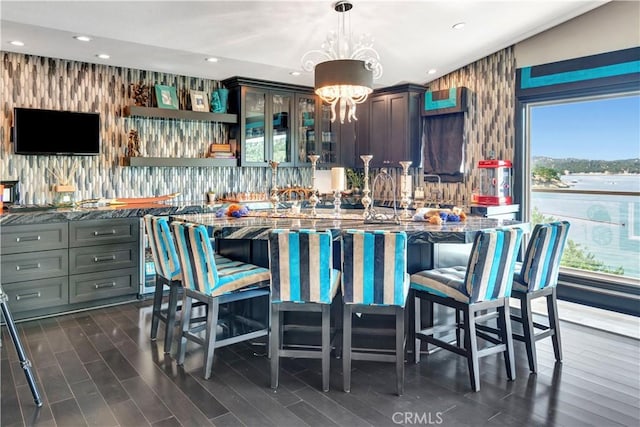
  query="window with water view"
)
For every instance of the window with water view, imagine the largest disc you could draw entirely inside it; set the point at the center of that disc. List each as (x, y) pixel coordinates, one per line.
(585, 168)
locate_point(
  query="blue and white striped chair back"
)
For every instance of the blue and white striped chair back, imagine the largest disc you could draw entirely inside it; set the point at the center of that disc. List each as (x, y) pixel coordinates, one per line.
(163, 249)
(301, 264)
(492, 263)
(200, 270)
(542, 259)
(374, 267)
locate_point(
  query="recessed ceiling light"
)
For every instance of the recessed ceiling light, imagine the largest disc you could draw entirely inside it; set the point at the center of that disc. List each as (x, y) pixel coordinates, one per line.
(431, 71)
(211, 59)
(103, 56)
(82, 38)
(458, 26)
(16, 43)
(295, 73)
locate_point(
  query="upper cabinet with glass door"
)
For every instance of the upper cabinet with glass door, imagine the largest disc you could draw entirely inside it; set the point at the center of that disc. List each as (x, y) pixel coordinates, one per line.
(269, 125)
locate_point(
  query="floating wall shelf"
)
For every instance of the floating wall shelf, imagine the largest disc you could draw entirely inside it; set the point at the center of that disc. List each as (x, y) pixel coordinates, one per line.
(181, 162)
(164, 113)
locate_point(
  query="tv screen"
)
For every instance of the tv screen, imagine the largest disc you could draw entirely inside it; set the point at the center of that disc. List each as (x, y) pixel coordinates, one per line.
(38, 131)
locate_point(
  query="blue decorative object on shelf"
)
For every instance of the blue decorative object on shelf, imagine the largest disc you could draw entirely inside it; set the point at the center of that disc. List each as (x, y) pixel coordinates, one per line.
(219, 99)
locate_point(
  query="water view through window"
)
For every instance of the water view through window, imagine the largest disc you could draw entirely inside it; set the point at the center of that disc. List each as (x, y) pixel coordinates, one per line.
(585, 168)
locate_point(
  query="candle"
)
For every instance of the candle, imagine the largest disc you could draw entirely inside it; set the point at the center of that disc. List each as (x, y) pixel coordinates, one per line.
(337, 179)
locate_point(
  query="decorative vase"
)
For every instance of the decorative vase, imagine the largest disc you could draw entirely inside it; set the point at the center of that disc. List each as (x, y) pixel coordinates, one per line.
(219, 99)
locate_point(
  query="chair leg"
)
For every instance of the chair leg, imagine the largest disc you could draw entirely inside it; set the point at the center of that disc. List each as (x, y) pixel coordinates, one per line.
(210, 340)
(157, 307)
(400, 350)
(554, 322)
(184, 327)
(274, 344)
(417, 327)
(529, 332)
(171, 317)
(346, 348)
(504, 324)
(471, 346)
(459, 331)
(326, 345)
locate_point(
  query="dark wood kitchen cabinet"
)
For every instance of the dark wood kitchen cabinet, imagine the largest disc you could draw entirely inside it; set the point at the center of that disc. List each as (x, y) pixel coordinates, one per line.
(269, 123)
(394, 125)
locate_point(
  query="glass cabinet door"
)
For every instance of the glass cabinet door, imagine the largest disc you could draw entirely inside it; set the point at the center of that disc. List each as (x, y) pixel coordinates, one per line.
(329, 132)
(305, 122)
(254, 149)
(281, 108)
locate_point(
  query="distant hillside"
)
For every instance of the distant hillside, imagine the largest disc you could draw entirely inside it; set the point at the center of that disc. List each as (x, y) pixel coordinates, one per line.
(588, 166)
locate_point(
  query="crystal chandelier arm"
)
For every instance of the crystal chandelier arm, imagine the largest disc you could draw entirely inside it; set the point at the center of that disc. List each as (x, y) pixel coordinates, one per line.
(314, 57)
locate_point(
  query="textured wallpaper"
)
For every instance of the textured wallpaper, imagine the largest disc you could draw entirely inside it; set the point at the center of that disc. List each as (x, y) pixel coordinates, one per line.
(489, 124)
(37, 82)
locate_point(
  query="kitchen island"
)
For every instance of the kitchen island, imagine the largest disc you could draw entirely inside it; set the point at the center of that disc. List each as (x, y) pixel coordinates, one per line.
(247, 237)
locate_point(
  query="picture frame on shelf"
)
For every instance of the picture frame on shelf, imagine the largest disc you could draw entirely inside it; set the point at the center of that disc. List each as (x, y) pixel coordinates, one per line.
(199, 100)
(166, 97)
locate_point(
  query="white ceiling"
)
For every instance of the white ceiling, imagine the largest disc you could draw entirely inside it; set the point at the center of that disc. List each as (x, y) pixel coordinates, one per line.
(267, 39)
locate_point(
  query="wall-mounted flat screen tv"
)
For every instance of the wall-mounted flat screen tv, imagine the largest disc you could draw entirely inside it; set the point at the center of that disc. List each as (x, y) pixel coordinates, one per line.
(52, 132)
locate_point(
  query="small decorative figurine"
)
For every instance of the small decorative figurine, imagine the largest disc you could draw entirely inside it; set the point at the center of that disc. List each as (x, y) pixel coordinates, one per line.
(133, 146)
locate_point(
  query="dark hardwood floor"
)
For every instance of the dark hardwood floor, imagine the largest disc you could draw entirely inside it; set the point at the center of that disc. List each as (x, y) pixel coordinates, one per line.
(99, 368)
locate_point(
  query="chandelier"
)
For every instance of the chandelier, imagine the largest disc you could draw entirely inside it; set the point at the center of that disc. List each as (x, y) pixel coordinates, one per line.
(344, 68)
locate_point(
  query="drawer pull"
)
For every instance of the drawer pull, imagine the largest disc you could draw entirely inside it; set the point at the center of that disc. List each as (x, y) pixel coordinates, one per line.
(105, 285)
(27, 296)
(27, 266)
(27, 239)
(104, 233)
(104, 258)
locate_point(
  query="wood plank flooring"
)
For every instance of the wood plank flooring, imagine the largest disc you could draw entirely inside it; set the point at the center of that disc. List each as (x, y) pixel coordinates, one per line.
(99, 368)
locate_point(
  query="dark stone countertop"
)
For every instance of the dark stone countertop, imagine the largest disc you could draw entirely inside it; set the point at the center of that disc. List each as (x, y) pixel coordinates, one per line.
(39, 215)
(258, 227)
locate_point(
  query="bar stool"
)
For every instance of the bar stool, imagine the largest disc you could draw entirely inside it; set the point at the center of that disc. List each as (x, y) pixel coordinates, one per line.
(375, 280)
(167, 265)
(213, 281)
(302, 279)
(538, 278)
(483, 285)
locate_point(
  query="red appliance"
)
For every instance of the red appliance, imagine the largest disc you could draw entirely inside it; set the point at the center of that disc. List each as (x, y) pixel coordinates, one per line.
(495, 183)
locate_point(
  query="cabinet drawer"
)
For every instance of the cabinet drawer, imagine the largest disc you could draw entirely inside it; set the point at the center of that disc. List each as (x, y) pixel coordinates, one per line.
(103, 231)
(37, 237)
(94, 286)
(35, 294)
(100, 258)
(34, 265)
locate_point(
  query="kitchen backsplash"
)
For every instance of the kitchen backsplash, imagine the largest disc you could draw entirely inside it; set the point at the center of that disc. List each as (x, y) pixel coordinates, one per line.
(38, 82)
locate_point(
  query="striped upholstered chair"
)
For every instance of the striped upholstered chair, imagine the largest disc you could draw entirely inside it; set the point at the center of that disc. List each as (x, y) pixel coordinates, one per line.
(213, 281)
(537, 278)
(302, 279)
(375, 280)
(484, 284)
(167, 265)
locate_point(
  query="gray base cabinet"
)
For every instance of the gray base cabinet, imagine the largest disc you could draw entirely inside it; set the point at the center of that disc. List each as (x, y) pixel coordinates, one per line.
(58, 267)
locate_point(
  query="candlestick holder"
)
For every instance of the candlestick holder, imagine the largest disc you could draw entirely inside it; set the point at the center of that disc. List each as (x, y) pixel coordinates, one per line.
(274, 198)
(337, 202)
(313, 200)
(366, 200)
(405, 201)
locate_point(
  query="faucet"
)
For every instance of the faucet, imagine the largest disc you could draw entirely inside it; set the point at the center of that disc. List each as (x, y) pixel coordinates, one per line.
(438, 192)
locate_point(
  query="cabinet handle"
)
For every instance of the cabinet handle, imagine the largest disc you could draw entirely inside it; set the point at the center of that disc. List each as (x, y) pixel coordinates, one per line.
(104, 233)
(27, 266)
(27, 239)
(105, 285)
(104, 258)
(27, 296)
(386, 162)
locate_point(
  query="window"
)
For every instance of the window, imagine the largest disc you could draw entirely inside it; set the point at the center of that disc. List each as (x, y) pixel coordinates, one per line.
(583, 164)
